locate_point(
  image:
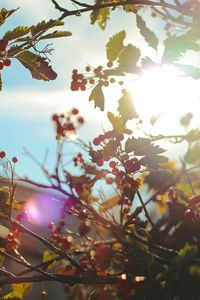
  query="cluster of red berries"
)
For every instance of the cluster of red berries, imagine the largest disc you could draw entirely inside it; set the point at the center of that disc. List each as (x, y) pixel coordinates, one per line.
(67, 124)
(109, 141)
(81, 81)
(5, 62)
(62, 240)
(78, 160)
(13, 239)
(78, 81)
(68, 207)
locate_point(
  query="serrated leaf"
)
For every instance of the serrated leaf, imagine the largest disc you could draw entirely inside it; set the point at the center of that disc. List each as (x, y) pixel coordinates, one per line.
(142, 146)
(190, 70)
(45, 25)
(147, 34)
(115, 45)
(176, 46)
(193, 154)
(126, 107)
(97, 96)
(56, 34)
(16, 33)
(4, 14)
(109, 204)
(101, 16)
(37, 65)
(117, 122)
(128, 58)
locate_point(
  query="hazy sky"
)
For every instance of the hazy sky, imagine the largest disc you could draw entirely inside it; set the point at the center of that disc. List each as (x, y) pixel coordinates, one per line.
(26, 105)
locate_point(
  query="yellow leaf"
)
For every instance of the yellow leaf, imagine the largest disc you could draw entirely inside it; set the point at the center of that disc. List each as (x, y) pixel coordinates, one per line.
(19, 290)
(49, 255)
(117, 122)
(110, 203)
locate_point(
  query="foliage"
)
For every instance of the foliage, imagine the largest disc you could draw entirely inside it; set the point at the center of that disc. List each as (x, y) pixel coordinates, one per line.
(121, 248)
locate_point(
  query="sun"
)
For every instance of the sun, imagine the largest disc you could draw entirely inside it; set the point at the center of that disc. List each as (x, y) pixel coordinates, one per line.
(167, 94)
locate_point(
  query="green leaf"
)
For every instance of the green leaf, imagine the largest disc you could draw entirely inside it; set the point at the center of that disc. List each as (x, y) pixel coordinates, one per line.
(142, 146)
(193, 135)
(176, 46)
(147, 34)
(97, 96)
(193, 154)
(45, 25)
(101, 16)
(115, 45)
(16, 33)
(37, 65)
(4, 14)
(117, 122)
(126, 107)
(56, 34)
(190, 70)
(128, 59)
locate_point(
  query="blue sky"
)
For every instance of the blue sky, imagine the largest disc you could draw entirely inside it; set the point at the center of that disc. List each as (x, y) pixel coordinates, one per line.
(26, 105)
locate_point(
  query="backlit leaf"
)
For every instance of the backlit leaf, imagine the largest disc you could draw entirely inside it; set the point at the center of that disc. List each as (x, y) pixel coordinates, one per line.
(190, 70)
(128, 59)
(117, 122)
(45, 25)
(115, 45)
(176, 46)
(142, 146)
(126, 107)
(193, 135)
(97, 96)
(193, 154)
(147, 34)
(49, 255)
(101, 16)
(56, 34)
(109, 204)
(4, 14)
(37, 65)
(132, 8)
(16, 33)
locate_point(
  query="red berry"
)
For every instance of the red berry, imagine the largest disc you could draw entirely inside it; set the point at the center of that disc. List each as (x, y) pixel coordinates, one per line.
(1, 65)
(96, 142)
(189, 214)
(103, 256)
(78, 188)
(82, 214)
(43, 294)
(109, 64)
(2, 154)
(87, 69)
(7, 62)
(80, 120)
(109, 180)
(84, 228)
(112, 164)
(14, 160)
(194, 200)
(91, 81)
(75, 111)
